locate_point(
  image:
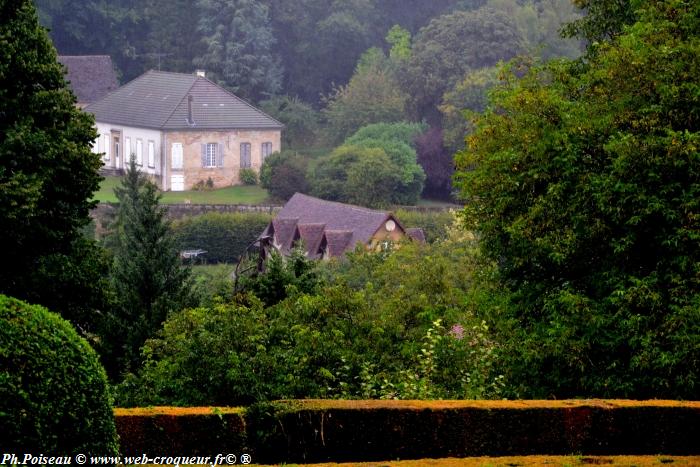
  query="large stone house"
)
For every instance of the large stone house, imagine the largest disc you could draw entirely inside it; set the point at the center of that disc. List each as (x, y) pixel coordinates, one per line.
(329, 229)
(182, 129)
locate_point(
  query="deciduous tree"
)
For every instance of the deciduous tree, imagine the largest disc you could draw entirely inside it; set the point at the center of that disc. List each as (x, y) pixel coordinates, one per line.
(586, 192)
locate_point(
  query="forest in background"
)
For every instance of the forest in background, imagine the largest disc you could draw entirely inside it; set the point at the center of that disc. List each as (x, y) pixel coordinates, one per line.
(327, 68)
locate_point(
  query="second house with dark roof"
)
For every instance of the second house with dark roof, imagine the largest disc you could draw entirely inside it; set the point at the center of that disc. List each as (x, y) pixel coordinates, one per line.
(183, 130)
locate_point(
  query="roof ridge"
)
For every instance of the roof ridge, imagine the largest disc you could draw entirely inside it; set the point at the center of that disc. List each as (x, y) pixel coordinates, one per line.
(352, 206)
(187, 93)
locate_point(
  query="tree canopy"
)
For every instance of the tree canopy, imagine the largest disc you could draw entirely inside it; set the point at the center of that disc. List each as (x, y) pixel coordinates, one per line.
(47, 175)
(586, 193)
(147, 275)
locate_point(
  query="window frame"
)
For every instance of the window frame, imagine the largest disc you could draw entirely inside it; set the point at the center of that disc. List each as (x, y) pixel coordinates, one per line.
(211, 155)
(246, 159)
(151, 153)
(265, 150)
(127, 151)
(139, 152)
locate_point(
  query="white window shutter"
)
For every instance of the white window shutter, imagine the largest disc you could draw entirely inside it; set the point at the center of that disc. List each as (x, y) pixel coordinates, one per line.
(106, 146)
(204, 155)
(176, 154)
(220, 155)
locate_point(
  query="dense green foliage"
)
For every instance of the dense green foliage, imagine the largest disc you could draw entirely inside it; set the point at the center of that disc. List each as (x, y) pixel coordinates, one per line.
(399, 324)
(225, 237)
(451, 46)
(248, 176)
(586, 191)
(301, 121)
(147, 276)
(239, 47)
(53, 390)
(375, 167)
(434, 223)
(47, 176)
(373, 95)
(284, 174)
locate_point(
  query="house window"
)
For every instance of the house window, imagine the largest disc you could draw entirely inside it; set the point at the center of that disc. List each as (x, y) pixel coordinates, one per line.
(127, 151)
(266, 150)
(139, 152)
(106, 147)
(176, 155)
(151, 154)
(245, 155)
(209, 154)
(94, 147)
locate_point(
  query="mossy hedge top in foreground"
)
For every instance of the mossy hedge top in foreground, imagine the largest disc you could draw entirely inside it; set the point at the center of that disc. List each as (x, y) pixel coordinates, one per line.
(53, 390)
(376, 430)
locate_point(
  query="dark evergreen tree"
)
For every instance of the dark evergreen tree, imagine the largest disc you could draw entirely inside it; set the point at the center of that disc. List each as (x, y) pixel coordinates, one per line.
(147, 275)
(47, 175)
(239, 47)
(451, 46)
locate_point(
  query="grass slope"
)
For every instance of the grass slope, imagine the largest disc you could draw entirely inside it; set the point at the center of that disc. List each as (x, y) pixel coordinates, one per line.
(229, 195)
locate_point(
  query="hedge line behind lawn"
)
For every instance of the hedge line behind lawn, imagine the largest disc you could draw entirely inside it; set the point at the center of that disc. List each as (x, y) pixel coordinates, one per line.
(344, 431)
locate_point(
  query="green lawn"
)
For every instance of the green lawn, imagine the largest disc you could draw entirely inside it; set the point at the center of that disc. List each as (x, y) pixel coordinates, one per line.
(230, 195)
(437, 203)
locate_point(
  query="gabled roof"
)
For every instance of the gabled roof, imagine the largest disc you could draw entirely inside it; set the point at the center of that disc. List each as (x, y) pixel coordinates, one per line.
(161, 100)
(285, 232)
(363, 223)
(321, 224)
(311, 235)
(91, 77)
(337, 241)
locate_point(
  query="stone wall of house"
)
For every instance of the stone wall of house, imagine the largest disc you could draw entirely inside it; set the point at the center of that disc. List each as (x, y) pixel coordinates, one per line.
(230, 141)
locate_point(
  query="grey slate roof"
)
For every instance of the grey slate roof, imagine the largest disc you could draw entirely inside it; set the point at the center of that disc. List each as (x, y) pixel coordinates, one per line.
(159, 100)
(318, 222)
(91, 77)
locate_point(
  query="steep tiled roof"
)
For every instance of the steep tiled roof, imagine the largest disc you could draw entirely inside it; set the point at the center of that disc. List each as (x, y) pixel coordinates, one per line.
(362, 222)
(311, 235)
(161, 100)
(285, 230)
(91, 77)
(321, 224)
(337, 241)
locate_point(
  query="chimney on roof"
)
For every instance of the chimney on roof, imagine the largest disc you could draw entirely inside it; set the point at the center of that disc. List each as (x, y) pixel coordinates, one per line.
(190, 120)
(201, 73)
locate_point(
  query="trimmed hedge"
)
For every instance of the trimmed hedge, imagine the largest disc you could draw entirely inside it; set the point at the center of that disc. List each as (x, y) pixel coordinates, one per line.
(345, 431)
(224, 236)
(53, 390)
(176, 431)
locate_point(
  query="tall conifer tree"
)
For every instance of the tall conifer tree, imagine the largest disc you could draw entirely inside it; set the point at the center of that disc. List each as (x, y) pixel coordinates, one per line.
(147, 275)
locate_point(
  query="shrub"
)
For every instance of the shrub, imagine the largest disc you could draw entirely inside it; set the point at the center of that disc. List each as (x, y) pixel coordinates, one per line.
(391, 177)
(53, 390)
(202, 185)
(224, 236)
(283, 174)
(248, 177)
